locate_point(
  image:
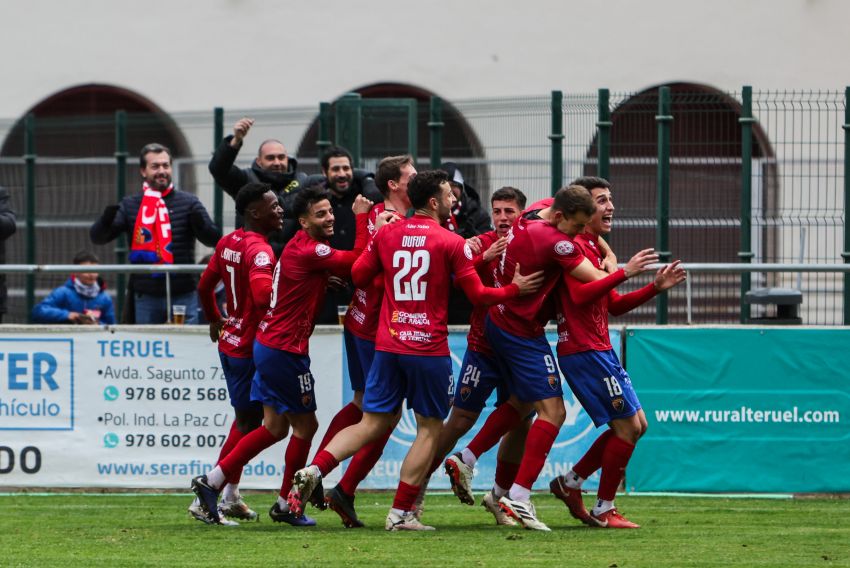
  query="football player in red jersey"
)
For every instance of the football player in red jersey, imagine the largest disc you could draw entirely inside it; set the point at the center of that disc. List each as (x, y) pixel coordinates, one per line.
(418, 258)
(283, 382)
(243, 260)
(594, 373)
(360, 327)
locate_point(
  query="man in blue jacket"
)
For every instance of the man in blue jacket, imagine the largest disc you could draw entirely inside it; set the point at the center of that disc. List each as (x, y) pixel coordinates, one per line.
(81, 300)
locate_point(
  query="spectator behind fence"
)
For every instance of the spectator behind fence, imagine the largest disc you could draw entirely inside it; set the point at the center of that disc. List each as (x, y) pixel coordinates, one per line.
(471, 218)
(161, 224)
(272, 166)
(82, 299)
(7, 229)
(344, 184)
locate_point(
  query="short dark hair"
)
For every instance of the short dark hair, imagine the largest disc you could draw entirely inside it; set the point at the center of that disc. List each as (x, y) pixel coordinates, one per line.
(335, 152)
(509, 193)
(305, 198)
(250, 193)
(152, 148)
(425, 186)
(390, 169)
(591, 182)
(574, 199)
(85, 256)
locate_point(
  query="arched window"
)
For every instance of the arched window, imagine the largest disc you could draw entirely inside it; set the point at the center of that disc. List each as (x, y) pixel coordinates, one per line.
(380, 138)
(705, 187)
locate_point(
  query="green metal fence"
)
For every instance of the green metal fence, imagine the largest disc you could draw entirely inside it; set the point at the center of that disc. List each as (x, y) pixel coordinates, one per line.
(710, 176)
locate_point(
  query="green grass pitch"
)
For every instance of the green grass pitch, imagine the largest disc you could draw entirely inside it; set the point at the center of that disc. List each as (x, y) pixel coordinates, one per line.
(155, 530)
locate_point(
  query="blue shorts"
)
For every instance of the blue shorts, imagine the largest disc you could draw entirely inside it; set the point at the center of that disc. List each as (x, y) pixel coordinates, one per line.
(601, 385)
(479, 376)
(283, 380)
(359, 353)
(426, 382)
(527, 363)
(239, 374)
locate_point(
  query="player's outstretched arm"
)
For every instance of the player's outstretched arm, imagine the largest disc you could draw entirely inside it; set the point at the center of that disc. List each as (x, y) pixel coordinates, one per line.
(667, 276)
(479, 294)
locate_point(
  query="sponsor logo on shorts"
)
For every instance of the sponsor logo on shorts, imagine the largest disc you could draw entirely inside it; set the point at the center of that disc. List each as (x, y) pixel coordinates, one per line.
(322, 250)
(306, 400)
(564, 248)
(465, 392)
(553, 382)
(619, 404)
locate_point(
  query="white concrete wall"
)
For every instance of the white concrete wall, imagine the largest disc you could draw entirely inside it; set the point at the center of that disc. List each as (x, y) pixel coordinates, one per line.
(197, 54)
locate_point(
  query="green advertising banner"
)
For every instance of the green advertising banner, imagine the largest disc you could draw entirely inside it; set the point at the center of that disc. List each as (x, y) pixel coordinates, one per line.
(743, 409)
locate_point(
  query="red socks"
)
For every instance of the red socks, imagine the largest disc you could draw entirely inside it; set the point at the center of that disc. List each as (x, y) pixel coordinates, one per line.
(504, 419)
(506, 472)
(614, 459)
(347, 416)
(405, 496)
(232, 439)
(294, 459)
(541, 436)
(592, 459)
(325, 461)
(248, 447)
(362, 463)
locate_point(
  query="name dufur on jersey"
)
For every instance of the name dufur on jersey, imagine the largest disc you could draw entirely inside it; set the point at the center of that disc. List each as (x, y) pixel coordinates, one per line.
(418, 258)
(241, 257)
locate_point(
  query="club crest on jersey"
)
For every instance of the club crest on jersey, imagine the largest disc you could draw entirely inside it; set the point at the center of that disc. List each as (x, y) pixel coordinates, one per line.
(467, 251)
(322, 250)
(306, 400)
(564, 248)
(619, 404)
(465, 392)
(262, 259)
(553, 382)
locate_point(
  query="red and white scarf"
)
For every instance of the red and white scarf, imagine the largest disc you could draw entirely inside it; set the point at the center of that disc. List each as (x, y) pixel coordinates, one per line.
(152, 232)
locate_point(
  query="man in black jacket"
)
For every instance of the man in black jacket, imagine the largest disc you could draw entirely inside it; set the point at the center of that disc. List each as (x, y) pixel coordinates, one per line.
(344, 184)
(472, 219)
(272, 166)
(159, 210)
(7, 229)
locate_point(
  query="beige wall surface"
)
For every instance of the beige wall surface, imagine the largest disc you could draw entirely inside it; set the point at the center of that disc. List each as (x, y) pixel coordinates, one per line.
(194, 55)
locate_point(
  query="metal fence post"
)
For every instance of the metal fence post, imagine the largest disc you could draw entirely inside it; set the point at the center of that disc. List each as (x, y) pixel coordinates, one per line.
(846, 253)
(120, 191)
(348, 125)
(218, 194)
(662, 235)
(557, 138)
(29, 157)
(435, 126)
(603, 137)
(746, 253)
(324, 140)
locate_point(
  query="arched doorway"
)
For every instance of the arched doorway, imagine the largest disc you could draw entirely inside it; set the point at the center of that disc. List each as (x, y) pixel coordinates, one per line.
(705, 188)
(75, 172)
(460, 143)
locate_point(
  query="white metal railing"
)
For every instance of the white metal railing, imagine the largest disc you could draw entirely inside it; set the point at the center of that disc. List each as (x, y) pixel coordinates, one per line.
(704, 268)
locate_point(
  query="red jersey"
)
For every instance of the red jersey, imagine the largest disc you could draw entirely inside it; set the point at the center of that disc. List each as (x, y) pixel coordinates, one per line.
(365, 308)
(584, 327)
(417, 257)
(298, 292)
(240, 258)
(537, 245)
(475, 339)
